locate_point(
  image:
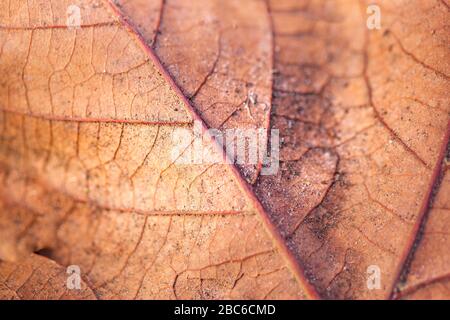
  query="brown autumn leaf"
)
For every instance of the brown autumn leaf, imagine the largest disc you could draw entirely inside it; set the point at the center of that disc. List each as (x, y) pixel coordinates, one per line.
(37, 277)
(427, 276)
(88, 115)
(95, 184)
(377, 145)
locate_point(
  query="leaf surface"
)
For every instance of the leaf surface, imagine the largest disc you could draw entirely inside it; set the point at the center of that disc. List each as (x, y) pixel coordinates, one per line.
(363, 116)
(353, 110)
(428, 273)
(38, 278)
(360, 161)
(93, 180)
(218, 53)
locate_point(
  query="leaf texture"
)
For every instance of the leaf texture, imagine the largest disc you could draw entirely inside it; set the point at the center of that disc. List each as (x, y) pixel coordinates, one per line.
(87, 122)
(345, 118)
(362, 162)
(427, 276)
(138, 225)
(205, 46)
(38, 278)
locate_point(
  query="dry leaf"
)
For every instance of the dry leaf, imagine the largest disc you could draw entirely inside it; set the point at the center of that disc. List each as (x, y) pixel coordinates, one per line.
(427, 276)
(89, 174)
(37, 277)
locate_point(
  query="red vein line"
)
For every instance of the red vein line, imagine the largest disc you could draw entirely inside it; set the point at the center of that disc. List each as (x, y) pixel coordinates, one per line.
(158, 24)
(284, 251)
(416, 60)
(97, 120)
(424, 210)
(269, 111)
(32, 28)
(445, 4)
(211, 70)
(378, 116)
(421, 285)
